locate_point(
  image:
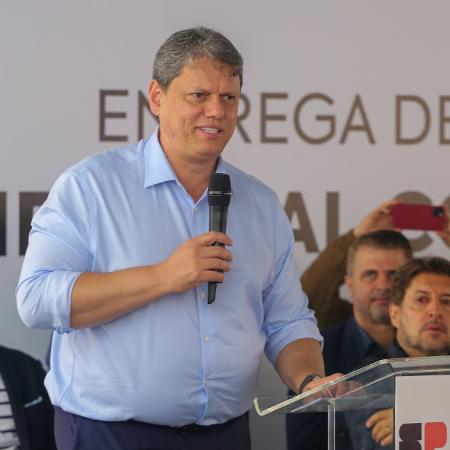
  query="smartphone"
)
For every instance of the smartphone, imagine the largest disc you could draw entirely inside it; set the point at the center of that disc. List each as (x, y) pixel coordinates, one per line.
(407, 216)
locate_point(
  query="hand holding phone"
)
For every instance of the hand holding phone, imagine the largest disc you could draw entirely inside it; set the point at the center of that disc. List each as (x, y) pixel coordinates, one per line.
(407, 216)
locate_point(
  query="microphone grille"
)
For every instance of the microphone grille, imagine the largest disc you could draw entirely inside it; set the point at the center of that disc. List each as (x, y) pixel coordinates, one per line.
(219, 190)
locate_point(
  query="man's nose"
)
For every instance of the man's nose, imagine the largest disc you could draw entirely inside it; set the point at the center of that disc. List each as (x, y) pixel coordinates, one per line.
(434, 308)
(384, 281)
(214, 107)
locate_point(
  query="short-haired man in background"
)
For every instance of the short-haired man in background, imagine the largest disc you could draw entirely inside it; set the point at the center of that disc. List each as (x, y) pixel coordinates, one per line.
(322, 280)
(373, 259)
(420, 308)
(420, 313)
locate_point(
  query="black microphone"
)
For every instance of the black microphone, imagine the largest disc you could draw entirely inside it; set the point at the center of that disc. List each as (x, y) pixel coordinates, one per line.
(219, 195)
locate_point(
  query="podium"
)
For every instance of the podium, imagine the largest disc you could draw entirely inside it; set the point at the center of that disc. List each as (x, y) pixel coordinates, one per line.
(356, 394)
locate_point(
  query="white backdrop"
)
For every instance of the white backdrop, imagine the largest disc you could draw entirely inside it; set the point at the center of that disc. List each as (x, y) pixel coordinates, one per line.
(378, 70)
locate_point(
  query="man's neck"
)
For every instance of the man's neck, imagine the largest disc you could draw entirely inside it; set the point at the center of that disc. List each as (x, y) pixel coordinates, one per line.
(193, 175)
(195, 181)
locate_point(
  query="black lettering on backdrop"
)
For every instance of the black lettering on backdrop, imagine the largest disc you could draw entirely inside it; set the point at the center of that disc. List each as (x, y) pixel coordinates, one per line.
(320, 118)
(332, 216)
(2, 223)
(104, 93)
(399, 101)
(143, 106)
(350, 126)
(242, 116)
(327, 121)
(443, 119)
(295, 205)
(265, 117)
(28, 204)
(410, 435)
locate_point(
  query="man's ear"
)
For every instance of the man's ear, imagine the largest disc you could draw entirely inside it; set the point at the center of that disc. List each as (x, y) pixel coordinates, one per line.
(394, 314)
(155, 92)
(349, 283)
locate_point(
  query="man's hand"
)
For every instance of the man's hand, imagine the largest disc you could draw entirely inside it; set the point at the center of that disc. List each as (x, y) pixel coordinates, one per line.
(101, 297)
(382, 425)
(196, 261)
(348, 388)
(378, 219)
(320, 381)
(445, 233)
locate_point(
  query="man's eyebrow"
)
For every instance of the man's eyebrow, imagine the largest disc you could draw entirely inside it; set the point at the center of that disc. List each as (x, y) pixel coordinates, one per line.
(422, 291)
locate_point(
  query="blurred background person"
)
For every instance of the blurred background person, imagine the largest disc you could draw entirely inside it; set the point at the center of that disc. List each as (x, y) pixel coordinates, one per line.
(26, 415)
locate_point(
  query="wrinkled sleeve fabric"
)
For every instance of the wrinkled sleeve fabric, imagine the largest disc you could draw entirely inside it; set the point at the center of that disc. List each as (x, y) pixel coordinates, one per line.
(286, 313)
(58, 251)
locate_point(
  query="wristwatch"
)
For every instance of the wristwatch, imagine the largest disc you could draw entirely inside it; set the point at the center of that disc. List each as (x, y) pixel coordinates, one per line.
(310, 377)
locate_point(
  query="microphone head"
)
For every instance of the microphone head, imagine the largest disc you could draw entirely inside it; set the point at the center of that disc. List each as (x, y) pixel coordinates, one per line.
(219, 190)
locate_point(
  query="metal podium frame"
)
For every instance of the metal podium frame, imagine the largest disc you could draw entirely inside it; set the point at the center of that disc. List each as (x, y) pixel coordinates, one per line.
(372, 385)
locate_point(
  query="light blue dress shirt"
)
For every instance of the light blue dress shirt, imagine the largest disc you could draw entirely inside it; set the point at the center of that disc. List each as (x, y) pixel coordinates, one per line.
(176, 360)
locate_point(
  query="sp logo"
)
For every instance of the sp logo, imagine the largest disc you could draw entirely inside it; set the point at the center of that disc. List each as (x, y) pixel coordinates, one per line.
(434, 436)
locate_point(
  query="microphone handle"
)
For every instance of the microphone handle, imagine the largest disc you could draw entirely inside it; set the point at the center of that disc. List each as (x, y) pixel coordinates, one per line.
(212, 285)
(211, 291)
(218, 218)
(217, 222)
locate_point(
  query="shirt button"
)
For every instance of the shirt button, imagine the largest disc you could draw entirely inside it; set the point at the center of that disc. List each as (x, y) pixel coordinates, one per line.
(202, 294)
(206, 338)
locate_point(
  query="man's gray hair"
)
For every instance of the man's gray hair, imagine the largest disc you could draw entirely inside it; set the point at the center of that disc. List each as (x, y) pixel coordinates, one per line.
(184, 47)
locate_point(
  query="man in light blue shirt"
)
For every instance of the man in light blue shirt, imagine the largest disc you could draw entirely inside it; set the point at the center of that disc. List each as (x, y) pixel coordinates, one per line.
(118, 263)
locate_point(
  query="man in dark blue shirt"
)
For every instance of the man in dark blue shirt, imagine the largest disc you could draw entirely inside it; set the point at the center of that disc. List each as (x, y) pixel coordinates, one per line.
(372, 261)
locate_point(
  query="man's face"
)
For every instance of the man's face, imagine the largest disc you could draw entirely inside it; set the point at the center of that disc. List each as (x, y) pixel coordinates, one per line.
(197, 111)
(423, 318)
(371, 281)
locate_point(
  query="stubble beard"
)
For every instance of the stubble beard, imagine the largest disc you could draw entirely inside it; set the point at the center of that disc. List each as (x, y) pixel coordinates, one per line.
(378, 315)
(414, 342)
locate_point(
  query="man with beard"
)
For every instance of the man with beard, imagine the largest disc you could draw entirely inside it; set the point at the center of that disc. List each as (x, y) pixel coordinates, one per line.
(372, 261)
(420, 308)
(420, 313)
(323, 279)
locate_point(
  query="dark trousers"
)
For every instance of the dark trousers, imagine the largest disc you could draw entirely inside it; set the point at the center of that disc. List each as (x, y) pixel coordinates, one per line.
(74, 432)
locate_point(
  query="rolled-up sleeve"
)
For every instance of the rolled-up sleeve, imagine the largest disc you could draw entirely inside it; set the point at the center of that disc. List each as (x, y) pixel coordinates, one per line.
(286, 313)
(58, 251)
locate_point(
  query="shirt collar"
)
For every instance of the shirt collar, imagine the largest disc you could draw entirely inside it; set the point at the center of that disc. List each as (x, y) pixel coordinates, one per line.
(157, 166)
(366, 341)
(371, 349)
(395, 351)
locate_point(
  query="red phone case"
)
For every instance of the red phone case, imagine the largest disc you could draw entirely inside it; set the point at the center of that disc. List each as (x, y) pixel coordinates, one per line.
(418, 217)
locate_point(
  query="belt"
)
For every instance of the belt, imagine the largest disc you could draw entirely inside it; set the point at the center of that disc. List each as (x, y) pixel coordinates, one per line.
(191, 428)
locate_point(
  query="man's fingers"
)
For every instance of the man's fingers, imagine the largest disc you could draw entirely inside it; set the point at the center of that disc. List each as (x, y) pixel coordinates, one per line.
(387, 206)
(382, 423)
(215, 264)
(216, 252)
(213, 236)
(382, 431)
(212, 275)
(373, 419)
(388, 440)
